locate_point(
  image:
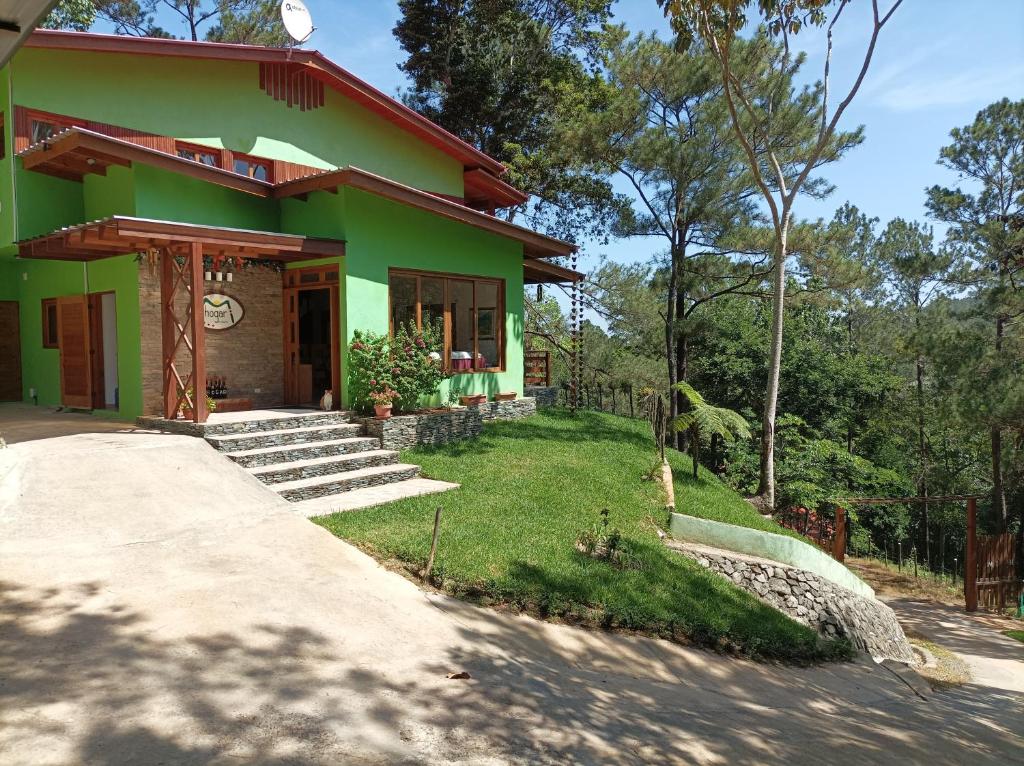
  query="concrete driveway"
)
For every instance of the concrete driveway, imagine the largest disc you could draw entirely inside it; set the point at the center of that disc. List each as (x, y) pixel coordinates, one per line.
(159, 605)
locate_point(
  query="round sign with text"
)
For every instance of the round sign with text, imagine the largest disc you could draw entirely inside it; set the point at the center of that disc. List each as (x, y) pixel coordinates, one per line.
(221, 312)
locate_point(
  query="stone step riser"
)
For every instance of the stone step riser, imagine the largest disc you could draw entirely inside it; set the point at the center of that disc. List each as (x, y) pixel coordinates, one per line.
(305, 452)
(276, 424)
(325, 469)
(262, 441)
(336, 487)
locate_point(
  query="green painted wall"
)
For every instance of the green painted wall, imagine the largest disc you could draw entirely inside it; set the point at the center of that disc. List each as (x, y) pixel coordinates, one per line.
(40, 367)
(168, 196)
(220, 103)
(382, 235)
(6, 167)
(121, 275)
(112, 194)
(766, 545)
(46, 203)
(36, 280)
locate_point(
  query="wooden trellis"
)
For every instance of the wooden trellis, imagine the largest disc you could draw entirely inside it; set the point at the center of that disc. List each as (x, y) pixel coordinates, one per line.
(181, 277)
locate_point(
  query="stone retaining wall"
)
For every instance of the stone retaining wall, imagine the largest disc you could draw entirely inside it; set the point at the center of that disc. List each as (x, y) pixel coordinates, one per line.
(546, 396)
(830, 609)
(432, 428)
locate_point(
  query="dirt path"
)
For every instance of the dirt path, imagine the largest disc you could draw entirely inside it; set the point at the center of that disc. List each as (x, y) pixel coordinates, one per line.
(158, 605)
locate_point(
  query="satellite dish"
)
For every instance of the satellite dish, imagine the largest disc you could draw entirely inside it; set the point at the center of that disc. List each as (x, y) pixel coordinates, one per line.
(297, 21)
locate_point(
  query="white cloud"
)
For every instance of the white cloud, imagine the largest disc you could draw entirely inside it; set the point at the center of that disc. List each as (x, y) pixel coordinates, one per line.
(924, 90)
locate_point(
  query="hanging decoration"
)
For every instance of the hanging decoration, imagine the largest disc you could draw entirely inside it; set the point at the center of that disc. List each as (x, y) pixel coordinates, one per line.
(292, 83)
(575, 349)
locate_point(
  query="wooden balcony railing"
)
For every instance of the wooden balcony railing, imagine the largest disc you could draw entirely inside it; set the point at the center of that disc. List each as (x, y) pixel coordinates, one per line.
(537, 368)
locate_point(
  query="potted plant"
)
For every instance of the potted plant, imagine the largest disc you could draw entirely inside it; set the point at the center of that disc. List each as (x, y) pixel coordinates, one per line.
(472, 400)
(383, 400)
(184, 411)
(505, 396)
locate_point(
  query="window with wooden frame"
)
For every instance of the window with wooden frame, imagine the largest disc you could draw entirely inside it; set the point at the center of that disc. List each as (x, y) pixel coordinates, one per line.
(470, 309)
(50, 336)
(204, 155)
(254, 167)
(44, 126)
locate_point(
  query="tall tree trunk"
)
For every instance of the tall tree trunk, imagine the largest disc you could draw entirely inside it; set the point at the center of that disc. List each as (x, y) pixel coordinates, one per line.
(682, 364)
(670, 330)
(922, 449)
(766, 485)
(998, 492)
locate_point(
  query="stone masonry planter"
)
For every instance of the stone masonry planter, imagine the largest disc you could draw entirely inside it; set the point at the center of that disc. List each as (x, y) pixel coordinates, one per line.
(442, 426)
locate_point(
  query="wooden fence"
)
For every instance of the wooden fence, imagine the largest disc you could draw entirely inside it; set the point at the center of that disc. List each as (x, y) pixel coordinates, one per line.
(999, 586)
(537, 368)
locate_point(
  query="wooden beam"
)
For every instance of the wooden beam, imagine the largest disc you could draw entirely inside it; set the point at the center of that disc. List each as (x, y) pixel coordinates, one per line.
(200, 412)
(167, 334)
(971, 558)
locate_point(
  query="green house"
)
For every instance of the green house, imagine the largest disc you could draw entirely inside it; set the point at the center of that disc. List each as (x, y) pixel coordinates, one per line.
(176, 215)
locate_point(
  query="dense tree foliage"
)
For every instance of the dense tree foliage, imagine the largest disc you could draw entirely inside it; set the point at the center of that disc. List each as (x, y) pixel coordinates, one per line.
(252, 22)
(497, 73)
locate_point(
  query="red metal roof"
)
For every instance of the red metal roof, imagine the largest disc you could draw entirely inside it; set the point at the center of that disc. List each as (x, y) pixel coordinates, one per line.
(319, 65)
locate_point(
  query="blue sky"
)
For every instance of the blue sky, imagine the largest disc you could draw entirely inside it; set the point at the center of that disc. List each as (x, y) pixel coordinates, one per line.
(937, 64)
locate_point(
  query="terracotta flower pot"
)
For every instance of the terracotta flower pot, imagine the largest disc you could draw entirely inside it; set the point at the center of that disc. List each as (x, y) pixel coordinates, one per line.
(383, 411)
(506, 396)
(473, 400)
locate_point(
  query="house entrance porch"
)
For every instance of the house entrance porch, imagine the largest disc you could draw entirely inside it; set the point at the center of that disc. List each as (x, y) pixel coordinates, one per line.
(196, 330)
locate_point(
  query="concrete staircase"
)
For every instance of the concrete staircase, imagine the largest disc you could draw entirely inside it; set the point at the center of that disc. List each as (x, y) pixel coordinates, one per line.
(320, 461)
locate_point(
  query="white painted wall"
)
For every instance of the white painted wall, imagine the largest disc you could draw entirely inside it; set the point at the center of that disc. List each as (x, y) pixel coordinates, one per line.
(109, 347)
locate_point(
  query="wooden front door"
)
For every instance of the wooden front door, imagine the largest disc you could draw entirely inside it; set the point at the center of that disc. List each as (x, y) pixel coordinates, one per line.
(298, 371)
(73, 333)
(10, 352)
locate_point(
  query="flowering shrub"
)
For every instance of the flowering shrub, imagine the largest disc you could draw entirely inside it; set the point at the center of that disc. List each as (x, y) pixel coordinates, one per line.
(409, 365)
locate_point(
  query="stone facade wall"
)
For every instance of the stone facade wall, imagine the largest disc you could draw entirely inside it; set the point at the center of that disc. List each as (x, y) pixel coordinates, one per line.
(546, 396)
(832, 610)
(509, 410)
(250, 354)
(432, 428)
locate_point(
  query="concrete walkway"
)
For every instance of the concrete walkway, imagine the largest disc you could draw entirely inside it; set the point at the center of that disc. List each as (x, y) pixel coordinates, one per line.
(159, 605)
(995, 661)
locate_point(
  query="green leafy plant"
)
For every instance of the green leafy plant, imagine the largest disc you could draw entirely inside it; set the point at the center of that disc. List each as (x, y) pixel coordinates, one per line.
(703, 419)
(454, 392)
(604, 542)
(190, 394)
(408, 363)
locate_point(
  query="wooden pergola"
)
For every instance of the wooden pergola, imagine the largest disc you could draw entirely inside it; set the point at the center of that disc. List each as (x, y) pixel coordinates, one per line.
(181, 248)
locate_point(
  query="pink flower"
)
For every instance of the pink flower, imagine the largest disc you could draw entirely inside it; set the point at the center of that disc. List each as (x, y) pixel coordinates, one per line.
(408, 349)
(373, 382)
(420, 343)
(395, 370)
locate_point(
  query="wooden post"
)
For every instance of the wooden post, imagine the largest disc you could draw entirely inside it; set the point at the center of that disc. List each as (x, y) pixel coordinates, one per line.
(839, 541)
(200, 411)
(433, 544)
(971, 559)
(167, 332)
(547, 367)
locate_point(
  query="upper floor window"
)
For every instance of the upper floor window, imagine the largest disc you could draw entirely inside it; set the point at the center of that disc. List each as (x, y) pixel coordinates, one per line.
(201, 154)
(252, 167)
(45, 129)
(471, 311)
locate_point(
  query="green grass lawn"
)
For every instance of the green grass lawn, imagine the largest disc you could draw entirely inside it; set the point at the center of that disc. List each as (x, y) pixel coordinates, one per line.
(529, 487)
(1017, 634)
(708, 498)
